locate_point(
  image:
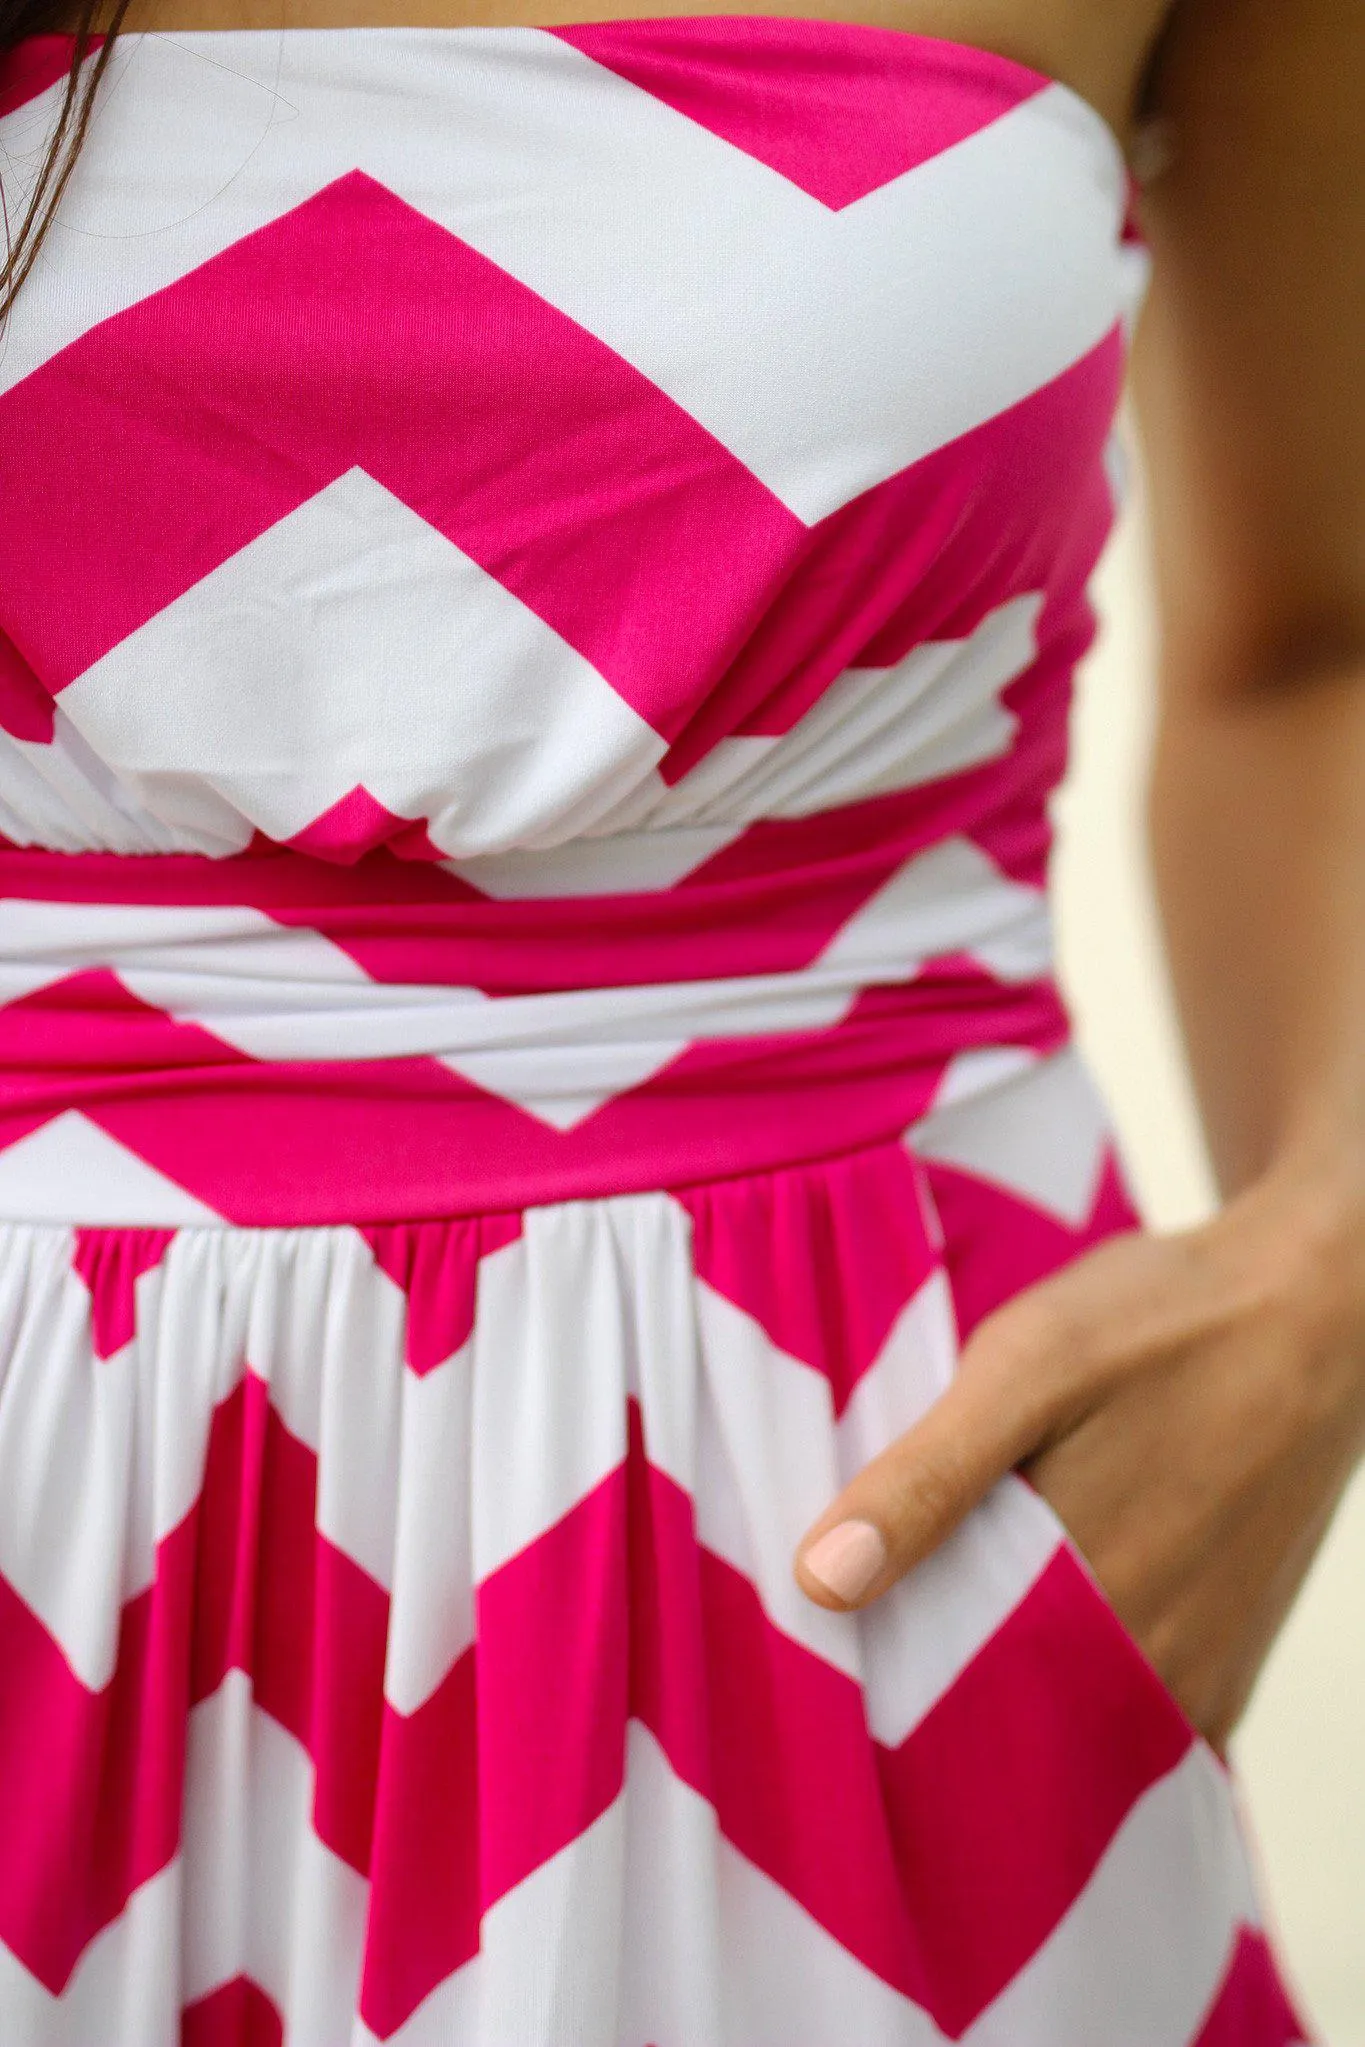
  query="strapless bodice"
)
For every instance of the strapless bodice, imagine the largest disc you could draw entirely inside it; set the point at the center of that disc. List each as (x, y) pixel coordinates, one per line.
(540, 574)
(475, 441)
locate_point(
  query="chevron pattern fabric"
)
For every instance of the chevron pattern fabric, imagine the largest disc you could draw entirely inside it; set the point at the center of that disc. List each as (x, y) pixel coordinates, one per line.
(540, 573)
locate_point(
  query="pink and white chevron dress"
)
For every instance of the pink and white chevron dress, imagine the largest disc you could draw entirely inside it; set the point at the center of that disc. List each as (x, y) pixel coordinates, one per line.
(539, 577)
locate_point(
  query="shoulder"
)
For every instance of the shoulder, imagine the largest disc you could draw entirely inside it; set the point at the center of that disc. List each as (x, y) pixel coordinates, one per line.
(1249, 363)
(1256, 65)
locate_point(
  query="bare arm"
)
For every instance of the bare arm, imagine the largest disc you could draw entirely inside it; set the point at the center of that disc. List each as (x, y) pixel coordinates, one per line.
(1193, 1405)
(1248, 377)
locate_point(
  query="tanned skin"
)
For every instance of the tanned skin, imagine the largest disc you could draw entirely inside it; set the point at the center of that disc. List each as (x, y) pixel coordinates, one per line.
(1194, 1405)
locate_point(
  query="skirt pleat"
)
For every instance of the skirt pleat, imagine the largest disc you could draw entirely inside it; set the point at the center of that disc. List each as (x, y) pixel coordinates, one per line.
(400, 1643)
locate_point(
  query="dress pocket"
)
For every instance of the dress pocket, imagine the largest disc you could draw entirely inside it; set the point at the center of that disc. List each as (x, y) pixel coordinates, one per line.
(1109, 1624)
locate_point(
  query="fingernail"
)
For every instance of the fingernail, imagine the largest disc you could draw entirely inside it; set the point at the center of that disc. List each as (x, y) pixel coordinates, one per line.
(846, 1559)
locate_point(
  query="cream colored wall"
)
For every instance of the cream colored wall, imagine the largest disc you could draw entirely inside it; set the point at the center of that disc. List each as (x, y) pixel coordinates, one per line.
(1301, 1751)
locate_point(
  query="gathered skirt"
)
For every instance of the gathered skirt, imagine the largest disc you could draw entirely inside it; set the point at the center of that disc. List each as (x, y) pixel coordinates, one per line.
(399, 1638)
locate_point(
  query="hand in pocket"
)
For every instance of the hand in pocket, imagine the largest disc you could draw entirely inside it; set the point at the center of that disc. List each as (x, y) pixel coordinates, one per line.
(1190, 1406)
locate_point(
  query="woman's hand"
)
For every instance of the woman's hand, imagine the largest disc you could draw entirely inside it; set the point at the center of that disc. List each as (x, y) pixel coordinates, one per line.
(1191, 1406)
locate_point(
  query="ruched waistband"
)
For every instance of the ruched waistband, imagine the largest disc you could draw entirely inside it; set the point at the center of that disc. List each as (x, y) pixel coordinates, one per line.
(268, 1041)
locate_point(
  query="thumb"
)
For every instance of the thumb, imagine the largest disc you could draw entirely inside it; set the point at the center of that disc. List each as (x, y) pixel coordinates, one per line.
(904, 1503)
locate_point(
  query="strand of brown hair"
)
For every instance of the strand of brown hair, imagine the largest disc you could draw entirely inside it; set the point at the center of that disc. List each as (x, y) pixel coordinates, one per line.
(19, 19)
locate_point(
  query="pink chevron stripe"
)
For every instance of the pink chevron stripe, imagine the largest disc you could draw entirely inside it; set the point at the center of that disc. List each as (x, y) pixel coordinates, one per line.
(264, 875)
(356, 825)
(439, 1273)
(90, 1782)
(981, 1779)
(420, 1140)
(871, 581)
(1251, 2008)
(203, 458)
(238, 2014)
(553, 1624)
(1132, 229)
(88, 1021)
(34, 64)
(926, 555)
(1016, 831)
(1046, 451)
(111, 1262)
(752, 1241)
(275, 1599)
(781, 1722)
(838, 108)
(26, 710)
(966, 1809)
(666, 1569)
(938, 1864)
(615, 1611)
(802, 878)
(998, 1243)
(768, 903)
(739, 914)
(426, 1896)
(975, 1795)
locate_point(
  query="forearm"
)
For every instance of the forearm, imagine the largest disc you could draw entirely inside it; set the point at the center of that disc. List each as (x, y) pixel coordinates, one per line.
(1247, 376)
(1257, 816)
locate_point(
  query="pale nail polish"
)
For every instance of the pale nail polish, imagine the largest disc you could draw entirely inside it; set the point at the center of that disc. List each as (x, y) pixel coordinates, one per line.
(846, 1559)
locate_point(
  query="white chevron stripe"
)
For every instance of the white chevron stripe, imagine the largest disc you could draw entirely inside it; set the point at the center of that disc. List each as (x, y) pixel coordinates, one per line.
(263, 1896)
(289, 995)
(73, 1539)
(912, 1368)
(70, 1162)
(529, 1430)
(338, 1363)
(1135, 275)
(674, 1962)
(766, 1466)
(923, 1633)
(101, 1458)
(1042, 1131)
(712, 1953)
(619, 864)
(600, 1042)
(769, 1460)
(1118, 468)
(706, 793)
(874, 730)
(322, 1327)
(1149, 1936)
(431, 1620)
(126, 1989)
(403, 656)
(551, 1365)
(951, 898)
(1005, 245)
(782, 1979)
(972, 1073)
(159, 945)
(58, 793)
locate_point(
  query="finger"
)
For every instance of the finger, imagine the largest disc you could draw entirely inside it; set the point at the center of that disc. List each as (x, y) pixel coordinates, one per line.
(907, 1500)
(1028, 1369)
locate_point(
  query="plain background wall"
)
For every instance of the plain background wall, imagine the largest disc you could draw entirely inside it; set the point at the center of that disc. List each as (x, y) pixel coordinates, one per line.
(1301, 1751)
